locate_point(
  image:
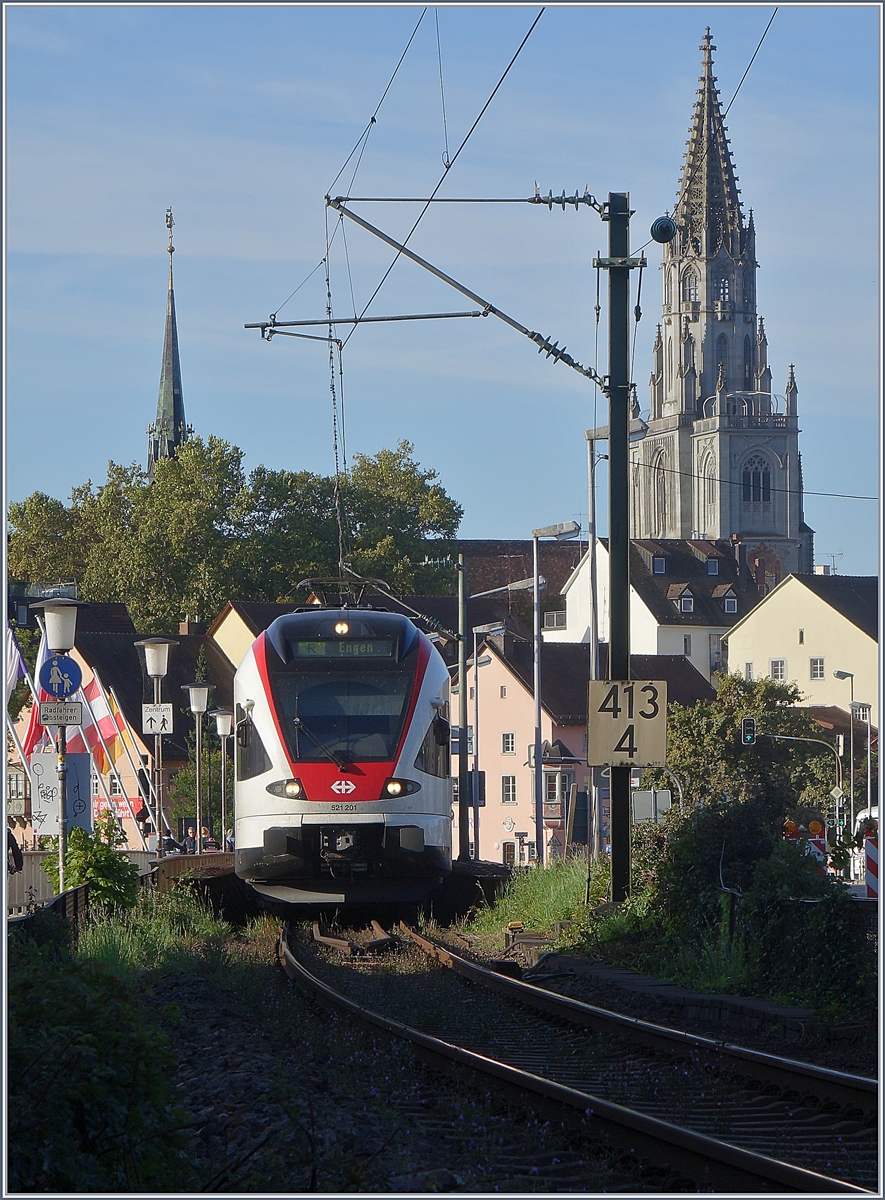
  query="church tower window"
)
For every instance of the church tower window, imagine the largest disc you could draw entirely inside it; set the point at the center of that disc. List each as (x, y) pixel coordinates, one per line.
(722, 286)
(756, 482)
(690, 285)
(722, 351)
(748, 365)
(660, 496)
(668, 289)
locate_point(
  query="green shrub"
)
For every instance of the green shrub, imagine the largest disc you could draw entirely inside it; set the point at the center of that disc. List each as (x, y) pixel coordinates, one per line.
(94, 859)
(537, 898)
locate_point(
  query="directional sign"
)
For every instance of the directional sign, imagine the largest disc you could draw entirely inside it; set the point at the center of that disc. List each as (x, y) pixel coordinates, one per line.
(60, 676)
(628, 723)
(52, 713)
(156, 718)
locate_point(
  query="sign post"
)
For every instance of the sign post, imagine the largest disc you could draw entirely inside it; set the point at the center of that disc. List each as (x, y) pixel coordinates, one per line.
(627, 723)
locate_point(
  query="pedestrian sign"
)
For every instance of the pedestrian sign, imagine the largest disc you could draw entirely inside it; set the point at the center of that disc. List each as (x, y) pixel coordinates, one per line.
(156, 718)
(60, 677)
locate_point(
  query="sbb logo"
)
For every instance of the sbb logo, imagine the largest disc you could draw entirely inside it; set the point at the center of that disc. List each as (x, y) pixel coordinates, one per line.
(343, 787)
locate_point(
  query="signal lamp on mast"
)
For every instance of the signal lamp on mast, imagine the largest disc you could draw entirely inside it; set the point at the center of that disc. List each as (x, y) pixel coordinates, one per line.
(748, 731)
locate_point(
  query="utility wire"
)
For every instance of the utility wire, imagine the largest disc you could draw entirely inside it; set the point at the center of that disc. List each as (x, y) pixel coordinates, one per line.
(442, 94)
(738, 483)
(446, 171)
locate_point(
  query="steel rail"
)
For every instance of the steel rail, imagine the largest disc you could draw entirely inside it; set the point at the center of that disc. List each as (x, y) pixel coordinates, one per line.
(851, 1091)
(710, 1163)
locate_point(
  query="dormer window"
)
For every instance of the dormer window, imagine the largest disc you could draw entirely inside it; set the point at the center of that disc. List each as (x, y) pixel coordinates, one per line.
(712, 566)
(731, 604)
(686, 602)
(659, 565)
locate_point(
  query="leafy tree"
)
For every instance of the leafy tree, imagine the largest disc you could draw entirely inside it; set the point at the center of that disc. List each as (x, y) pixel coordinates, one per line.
(202, 533)
(394, 507)
(95, 859)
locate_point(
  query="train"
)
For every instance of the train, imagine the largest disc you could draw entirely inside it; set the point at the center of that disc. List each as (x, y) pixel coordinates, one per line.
(343, 788)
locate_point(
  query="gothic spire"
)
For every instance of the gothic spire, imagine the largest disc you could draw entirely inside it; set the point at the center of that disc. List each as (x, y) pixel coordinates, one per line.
(170, 429)
(708, 205)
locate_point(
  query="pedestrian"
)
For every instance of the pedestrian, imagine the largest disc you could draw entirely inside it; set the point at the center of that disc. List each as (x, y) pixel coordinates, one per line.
(170, 846)
(207, 840)
(14, 859)
(189, 845)
(229, 841)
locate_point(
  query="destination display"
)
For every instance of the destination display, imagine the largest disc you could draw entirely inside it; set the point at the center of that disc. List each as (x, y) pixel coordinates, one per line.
(349, 648)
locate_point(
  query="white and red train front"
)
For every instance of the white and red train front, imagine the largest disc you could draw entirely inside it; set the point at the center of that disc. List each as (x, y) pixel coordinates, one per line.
(343, 792)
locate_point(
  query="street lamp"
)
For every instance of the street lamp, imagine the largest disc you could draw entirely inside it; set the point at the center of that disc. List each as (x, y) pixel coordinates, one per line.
(156, 661)
(224, 723)
(850, 676)
(562, 533)
(495, 627)
(60, 621)
(198, 698)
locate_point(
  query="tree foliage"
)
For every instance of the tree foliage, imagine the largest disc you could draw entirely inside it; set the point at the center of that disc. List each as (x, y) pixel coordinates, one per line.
(203, 532)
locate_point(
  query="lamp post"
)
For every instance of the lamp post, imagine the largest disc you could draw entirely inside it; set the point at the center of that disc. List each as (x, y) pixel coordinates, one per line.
(198, 698)
(156, 661)
(60, 619)
(849, 675)
(224, 722)
(493, 627)
(561, 532)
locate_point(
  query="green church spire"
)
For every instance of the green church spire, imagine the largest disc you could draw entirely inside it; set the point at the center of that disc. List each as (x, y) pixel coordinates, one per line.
(170, 429)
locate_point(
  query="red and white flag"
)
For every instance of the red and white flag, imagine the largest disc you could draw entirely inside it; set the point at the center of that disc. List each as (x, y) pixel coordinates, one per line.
(85, 739)
(15, 664)
(36, 737)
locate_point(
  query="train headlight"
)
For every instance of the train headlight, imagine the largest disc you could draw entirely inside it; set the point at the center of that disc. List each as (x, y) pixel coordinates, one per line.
(342, 627)
(289, 789)
(400, 787)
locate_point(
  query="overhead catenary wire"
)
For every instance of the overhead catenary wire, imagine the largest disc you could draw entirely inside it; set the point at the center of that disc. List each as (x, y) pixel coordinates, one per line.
(442, 92)
(738, 483)
(446, 171)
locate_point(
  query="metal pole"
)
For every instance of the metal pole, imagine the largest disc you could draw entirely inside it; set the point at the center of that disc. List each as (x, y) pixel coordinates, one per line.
(199, 831)
(475, 750)
(851, 753)
(869, 762)
(223, 791)
(619, 529)
(62, 804)
(463, 774)
(539, 767)
(594, 801)
(158, 772)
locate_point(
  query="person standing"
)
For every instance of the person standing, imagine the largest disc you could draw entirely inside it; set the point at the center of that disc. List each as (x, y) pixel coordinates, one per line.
(189, 845)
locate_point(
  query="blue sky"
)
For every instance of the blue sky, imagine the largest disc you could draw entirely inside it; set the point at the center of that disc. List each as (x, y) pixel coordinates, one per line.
(241, 117)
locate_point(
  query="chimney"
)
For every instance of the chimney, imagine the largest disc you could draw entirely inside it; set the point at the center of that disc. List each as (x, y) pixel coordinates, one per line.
(740, 558)
(185, 628)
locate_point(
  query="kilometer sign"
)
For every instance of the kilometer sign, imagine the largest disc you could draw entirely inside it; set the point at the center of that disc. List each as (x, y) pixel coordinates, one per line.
(628, 723)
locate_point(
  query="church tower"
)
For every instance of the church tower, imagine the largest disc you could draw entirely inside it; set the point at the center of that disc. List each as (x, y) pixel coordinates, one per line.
(169, 430)
(721, 455)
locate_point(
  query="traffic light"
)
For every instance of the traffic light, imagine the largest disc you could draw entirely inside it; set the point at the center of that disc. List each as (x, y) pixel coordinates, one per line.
(748, 731)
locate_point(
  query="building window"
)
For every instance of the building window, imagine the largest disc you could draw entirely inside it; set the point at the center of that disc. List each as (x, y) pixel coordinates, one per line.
(508, 743)
(731, 604)
(712, 566)
(757, 482)
(658, 565)
(802, 639)
(686, 645)
(715, 652)
(472, 692)
(15, 786)
(95, 787)
(503, 691)
(686, 604)
(817, 669)
(689, 285)
(508, 789)
(114, 786)
(778, 668)
(554, 620)
(748, 672)
(723, 286)
(509, 854)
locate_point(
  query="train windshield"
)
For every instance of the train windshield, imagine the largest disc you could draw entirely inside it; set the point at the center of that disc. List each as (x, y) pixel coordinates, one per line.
(356, 715)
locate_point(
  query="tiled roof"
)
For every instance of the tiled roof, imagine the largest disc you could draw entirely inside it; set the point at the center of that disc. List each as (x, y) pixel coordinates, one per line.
(689, 569)
(565, 674)
(856, 597)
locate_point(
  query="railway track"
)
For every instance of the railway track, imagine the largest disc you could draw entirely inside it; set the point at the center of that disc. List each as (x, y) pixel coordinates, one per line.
(722, 1116)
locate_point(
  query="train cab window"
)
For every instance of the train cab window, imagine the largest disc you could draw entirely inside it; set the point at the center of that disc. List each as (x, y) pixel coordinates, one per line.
(250, 756)
(433, 757)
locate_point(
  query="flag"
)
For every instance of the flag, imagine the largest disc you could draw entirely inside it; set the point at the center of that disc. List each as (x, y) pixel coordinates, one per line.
(15, 664)
(85, 739)
(37, 738)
